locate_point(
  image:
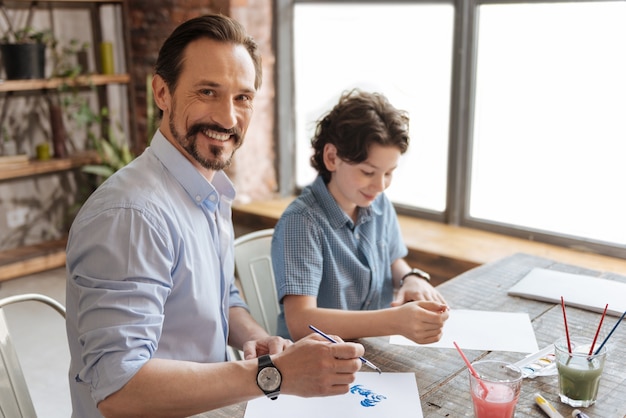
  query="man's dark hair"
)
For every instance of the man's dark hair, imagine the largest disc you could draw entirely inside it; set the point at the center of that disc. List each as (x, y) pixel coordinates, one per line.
(215, 26)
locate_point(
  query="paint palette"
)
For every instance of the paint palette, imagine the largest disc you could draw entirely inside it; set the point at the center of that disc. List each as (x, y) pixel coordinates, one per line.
(541, 363)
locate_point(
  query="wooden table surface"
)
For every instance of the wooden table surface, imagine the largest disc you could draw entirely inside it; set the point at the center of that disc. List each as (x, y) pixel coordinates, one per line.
(441, 374)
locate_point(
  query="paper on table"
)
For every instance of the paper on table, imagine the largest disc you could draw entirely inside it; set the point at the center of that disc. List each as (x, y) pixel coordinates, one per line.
(483, 330)
(585, 292)
(371, 395)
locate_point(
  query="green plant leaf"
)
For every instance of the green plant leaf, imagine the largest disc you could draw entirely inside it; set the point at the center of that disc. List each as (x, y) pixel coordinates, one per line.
(127, 155)
(110, 155)
(98, 170)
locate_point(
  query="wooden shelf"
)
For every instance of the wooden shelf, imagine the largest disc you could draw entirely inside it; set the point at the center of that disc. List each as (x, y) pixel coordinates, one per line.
(32, 259)
(33, 167)
(54, 83)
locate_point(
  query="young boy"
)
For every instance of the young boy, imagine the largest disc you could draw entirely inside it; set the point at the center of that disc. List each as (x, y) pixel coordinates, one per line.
(337, 250)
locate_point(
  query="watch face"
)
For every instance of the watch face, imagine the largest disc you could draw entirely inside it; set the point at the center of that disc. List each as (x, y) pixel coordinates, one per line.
(269, 379)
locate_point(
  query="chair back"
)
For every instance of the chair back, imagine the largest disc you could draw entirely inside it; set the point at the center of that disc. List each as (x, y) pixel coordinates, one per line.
(253, 264)
(15, 399)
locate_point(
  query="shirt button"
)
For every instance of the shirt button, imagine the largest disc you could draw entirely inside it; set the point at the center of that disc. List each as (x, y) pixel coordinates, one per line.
(212, 198)
(198, 198)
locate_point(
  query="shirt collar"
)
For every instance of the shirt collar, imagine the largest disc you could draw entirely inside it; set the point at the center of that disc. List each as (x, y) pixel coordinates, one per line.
(335, 215)
(199, 189)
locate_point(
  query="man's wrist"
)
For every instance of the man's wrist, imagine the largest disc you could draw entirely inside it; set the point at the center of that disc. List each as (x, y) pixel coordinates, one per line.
(269, 378)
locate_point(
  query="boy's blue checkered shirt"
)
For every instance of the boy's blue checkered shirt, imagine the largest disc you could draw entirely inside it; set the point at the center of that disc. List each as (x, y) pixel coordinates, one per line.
(318, 251)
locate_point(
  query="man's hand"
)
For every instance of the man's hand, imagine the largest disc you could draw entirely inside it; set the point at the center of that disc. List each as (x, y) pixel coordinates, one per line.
(315, 367)
(269, 345)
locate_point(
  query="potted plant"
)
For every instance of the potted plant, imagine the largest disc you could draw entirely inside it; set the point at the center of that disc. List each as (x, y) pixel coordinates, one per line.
(113, 154)
(24, 49)
(70, 60)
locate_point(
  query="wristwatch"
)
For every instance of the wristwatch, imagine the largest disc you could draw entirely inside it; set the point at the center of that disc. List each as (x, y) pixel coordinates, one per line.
(268, 377)
(415, 272)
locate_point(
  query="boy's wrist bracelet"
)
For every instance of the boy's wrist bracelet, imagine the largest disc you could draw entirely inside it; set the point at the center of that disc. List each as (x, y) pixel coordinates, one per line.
(415, 272)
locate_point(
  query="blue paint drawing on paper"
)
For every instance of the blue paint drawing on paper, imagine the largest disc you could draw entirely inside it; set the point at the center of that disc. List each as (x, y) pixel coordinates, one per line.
(371, 398)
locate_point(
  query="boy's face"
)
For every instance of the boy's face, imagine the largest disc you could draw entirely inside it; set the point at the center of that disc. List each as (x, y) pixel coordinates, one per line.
(208, 114)
(358, 185)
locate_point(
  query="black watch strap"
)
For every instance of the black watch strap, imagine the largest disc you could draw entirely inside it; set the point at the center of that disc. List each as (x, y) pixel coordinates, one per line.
(415, 272)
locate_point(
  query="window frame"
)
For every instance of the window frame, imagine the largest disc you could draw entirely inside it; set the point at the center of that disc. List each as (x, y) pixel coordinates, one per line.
(460, 141)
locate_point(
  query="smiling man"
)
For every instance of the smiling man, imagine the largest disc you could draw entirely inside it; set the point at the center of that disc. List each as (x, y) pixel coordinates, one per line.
(151, 300)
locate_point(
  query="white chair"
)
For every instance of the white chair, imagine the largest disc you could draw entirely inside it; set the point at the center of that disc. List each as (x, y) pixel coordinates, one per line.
(16, 401)
(253, 264)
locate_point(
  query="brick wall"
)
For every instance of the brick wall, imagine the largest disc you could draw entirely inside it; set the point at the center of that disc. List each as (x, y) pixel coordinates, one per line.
(151, 21)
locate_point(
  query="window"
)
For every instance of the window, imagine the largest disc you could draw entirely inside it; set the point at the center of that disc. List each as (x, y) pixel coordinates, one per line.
(549, 139)
(401, 50)
(516, 108)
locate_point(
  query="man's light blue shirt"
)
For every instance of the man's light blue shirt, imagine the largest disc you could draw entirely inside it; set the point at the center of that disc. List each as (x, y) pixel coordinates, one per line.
(150, 273)
(317, 250)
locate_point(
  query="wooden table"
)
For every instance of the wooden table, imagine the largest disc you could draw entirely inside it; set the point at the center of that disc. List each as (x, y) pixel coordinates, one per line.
(441, 375)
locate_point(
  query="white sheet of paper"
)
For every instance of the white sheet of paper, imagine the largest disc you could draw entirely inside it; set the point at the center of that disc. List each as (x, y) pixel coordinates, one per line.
(401, 399)
(483, 330)
(585, 292)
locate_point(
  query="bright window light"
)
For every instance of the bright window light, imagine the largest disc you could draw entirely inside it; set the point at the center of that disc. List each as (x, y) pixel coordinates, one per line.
(549, 137)
(401, 50)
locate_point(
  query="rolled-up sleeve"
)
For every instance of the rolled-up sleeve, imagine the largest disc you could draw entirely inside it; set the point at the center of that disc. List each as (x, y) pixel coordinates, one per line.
(119, 298)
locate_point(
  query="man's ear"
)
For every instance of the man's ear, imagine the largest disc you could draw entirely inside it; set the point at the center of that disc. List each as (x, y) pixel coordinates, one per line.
(330, 157)
(161, 93)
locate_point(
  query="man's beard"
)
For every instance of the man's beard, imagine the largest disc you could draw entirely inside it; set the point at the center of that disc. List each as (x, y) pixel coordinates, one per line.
(190, 144)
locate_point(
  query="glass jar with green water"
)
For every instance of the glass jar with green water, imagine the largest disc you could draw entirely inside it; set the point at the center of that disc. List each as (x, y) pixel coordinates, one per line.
(579, 372)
